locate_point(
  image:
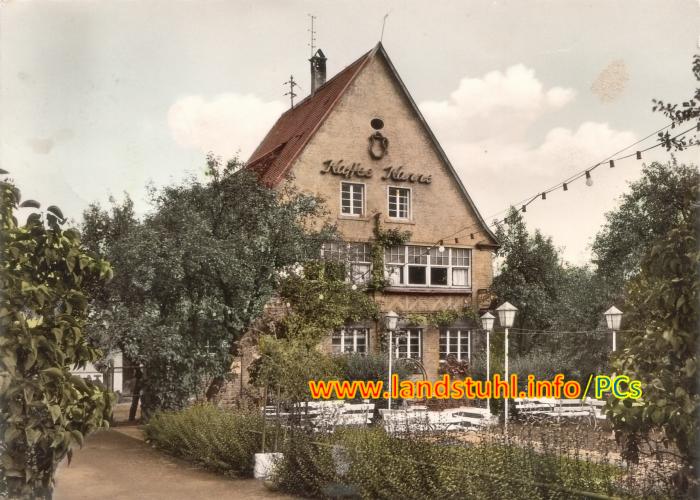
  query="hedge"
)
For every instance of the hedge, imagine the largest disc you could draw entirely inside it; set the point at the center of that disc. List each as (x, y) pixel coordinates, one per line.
(216, 439)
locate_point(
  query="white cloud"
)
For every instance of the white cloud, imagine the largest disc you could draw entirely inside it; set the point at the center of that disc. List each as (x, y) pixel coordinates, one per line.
(225, 124)
(490, 131)
(496, 104)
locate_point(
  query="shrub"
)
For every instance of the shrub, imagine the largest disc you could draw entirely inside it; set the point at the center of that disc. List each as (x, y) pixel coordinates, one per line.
(370, 367)
(381, 466)
(217, 439)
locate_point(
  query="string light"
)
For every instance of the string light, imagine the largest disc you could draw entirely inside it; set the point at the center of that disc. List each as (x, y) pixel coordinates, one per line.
(565, 184)
(441, 248)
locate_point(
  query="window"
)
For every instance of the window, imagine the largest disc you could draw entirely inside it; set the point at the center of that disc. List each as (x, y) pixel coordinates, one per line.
(395, 259)
(354, 259)
(350, 340)
(409, 343)
(360, 262)
(352, 198)
(455, 342)
(411, 265)
(461, 263)
(399, 203)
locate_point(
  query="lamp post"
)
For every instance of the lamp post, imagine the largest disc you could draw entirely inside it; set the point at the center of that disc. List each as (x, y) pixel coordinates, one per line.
(487, 320)
(391, 320)
(613, 317)
(506, 316)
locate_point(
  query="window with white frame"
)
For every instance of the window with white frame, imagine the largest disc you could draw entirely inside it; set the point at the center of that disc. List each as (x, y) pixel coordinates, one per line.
(355, 257)
(409, 343)
(350, 340)
(395, 258)
(359, 256)
(352, 198)
(456, 342)
(411, 265)
(399, 203)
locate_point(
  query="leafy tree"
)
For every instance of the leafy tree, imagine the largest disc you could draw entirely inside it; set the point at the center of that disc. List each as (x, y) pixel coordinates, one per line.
(317, 301)
(646, 211)
(195, 273)
(44, 410)
(529, 275)
(689, 111)
(662, 308)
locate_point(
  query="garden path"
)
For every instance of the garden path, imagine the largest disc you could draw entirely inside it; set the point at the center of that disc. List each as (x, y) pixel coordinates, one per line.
(117, 464)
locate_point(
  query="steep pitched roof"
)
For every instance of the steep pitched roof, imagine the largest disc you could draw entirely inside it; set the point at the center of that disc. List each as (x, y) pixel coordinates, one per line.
(274, 157)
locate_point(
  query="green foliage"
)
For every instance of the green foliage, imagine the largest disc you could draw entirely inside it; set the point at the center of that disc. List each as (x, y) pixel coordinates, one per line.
(662, 308)
(368, 463)
(529, 274)
(652, 205)
(370, 366)
(220, 440)
(319, 303)
(286, 365)
(44, 410)
(686, 113)
(193, 275)
(383, 239)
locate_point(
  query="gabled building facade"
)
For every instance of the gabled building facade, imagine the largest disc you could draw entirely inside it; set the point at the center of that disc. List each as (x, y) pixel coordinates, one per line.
(360, 142)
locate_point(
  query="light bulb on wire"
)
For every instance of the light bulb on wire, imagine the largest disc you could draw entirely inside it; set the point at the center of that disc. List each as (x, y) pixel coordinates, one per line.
(589, 179)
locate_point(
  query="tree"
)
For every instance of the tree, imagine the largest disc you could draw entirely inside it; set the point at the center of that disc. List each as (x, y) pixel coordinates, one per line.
(645, 213)
(318, 300)
(44, 410)
(662, 310)
(194, 274)
(529, 275)
(689, 111)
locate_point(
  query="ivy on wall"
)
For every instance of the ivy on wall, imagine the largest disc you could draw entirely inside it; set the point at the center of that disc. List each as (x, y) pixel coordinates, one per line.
(383, 239)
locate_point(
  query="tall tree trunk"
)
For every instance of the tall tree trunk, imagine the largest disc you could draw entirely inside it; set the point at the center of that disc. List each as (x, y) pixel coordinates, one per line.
(135, 395)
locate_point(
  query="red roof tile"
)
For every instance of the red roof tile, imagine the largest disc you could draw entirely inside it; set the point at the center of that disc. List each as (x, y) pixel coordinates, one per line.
(275, 155)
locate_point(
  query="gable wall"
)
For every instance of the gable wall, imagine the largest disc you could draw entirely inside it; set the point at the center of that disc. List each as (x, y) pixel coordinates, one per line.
(438, 208)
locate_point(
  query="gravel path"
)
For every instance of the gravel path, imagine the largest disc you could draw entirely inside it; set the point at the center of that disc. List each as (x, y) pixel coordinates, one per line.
(117, 464)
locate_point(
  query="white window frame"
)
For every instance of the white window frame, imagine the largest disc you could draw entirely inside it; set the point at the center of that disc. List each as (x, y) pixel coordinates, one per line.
(363, 191)
(349, 335)
(463, 336)
(409, 208)
(407, 335)
(396, 268)
(357, 271)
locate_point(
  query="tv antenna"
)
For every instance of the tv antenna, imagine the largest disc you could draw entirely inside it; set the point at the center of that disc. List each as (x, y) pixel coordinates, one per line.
(291, 92)
(313, 34)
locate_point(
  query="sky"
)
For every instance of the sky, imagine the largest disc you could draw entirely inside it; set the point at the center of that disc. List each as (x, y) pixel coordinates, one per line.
(102, 98)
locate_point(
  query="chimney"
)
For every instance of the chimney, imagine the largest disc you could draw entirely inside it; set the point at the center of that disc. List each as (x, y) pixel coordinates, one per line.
(318, 70)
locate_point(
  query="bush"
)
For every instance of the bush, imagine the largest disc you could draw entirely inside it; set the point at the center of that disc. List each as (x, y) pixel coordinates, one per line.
(370, 367)
(217, 439)
(371, 464)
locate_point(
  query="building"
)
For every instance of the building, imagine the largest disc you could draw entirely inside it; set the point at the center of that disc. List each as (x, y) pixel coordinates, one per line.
(360, 142)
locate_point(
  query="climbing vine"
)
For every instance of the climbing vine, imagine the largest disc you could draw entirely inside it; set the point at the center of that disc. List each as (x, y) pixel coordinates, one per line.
(383, 239)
